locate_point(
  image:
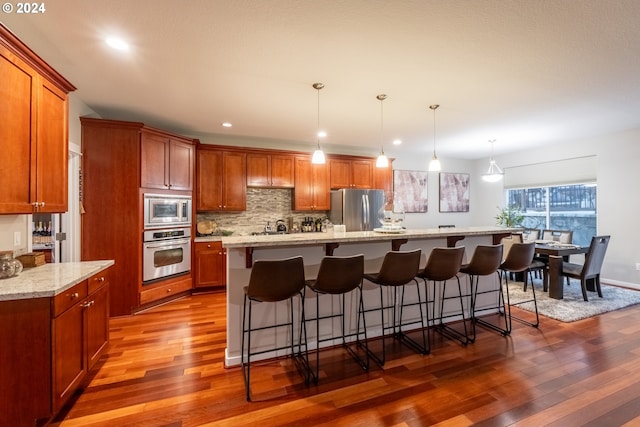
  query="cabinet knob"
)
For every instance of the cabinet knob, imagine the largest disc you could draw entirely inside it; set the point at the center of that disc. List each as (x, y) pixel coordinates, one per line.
(88, 304)
(208, 246)
(168, 289)
(74, 295)
(100, 279)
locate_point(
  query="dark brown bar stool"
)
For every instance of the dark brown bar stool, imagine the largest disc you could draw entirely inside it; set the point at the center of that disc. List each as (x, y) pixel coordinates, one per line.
(339, 276)
(485, 261)
(520, 260)
(398, 269)
(444, 264)
(275, 281)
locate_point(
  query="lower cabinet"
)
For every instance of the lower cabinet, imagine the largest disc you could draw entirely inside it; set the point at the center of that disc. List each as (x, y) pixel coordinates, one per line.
(210, 264)
(52, 344)
(158, 292)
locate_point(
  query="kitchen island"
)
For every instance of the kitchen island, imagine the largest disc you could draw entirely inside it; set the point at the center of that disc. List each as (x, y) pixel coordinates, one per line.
(55, 327)
(242, 251)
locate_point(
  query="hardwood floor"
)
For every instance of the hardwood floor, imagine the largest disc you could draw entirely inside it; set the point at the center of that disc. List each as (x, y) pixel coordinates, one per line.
(165, 368)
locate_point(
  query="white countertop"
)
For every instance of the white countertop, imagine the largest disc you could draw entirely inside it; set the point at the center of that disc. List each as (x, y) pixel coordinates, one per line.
(49, 280)
(351, 236)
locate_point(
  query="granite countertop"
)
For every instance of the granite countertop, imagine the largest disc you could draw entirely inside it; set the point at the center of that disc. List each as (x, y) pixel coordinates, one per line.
(352, 236)
(49, 280)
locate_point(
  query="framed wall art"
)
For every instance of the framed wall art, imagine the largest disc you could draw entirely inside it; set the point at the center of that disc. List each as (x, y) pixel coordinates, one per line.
(410, 191)
(454, 192)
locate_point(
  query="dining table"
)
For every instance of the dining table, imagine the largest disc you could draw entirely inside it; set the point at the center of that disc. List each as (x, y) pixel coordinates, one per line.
(557, 253)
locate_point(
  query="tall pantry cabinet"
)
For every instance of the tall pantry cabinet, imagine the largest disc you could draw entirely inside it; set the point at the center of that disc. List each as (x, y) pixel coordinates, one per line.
(121, 161)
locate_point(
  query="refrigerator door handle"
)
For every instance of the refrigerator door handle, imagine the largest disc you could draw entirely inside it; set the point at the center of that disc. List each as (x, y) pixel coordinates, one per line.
(365, 207)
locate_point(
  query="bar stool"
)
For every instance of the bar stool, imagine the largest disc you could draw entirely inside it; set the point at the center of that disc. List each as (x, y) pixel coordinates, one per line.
(340, 276)
(444, 264)
(397, 270)
(275, 281)
(520, 260)
(485, 261)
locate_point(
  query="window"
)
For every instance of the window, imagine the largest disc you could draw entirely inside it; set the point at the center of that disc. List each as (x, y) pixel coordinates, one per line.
(561, 207)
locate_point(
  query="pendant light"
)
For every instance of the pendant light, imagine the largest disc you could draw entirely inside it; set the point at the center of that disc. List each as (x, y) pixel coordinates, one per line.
(494, 174)
(318, 154)
(434, 165)
(382, 161)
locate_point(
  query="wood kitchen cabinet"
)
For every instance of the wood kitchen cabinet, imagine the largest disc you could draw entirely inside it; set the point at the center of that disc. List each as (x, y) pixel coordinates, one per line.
(166, 162)
(312, 191)
(270, 170)
(222, 180)
(34, 135)
(351, 173)
(52, 343)
(117, 158)
(210, 264)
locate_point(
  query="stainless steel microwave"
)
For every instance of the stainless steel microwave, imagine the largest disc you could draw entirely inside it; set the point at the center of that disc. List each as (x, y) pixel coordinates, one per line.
(162, 210)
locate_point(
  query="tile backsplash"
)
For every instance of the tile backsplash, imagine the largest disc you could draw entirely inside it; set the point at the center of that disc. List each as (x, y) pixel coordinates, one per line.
(263, 205)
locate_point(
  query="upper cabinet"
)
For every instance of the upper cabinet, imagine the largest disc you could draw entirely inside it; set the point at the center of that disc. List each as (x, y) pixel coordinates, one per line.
(270, 170)
(166, 162)
(222, 180)
(34, 111)
(312, 191)
(351, 173)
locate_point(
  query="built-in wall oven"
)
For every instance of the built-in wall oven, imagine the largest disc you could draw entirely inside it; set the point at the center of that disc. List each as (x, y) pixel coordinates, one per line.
(166, 252)
(162, 210)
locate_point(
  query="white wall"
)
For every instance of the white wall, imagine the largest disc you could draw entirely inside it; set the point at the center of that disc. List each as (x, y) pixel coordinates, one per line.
(618, 171)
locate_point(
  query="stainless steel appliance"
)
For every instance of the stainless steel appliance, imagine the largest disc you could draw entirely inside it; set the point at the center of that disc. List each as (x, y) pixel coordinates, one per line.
(358, 210)
(165, 253)
(162, 210)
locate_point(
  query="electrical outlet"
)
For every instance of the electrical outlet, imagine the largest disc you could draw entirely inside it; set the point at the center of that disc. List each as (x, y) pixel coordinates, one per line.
(17, 238)
(638, 266)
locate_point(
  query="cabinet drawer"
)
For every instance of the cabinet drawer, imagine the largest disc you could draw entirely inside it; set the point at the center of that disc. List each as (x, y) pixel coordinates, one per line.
(162, 291)
(96, 281)
(66, 299)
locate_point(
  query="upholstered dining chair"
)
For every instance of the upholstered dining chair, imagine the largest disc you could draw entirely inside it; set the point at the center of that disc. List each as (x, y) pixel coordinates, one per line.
(560, 236)
(589, 272)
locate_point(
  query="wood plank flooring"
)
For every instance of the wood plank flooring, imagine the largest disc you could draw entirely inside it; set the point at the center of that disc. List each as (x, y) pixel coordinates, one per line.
(165, 368)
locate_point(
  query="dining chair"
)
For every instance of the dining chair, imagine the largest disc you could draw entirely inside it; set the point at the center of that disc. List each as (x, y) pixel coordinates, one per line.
(530, 235)
(399, 268)
(560, 236)
(589, 272)
(339, 276)
(273, 281)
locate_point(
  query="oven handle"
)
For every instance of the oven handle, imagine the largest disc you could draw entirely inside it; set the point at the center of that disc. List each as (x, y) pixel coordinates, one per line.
(173, 245)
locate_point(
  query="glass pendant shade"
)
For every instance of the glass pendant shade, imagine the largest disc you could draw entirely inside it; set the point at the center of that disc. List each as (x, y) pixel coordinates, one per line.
(318, 155)
(494, 173)
(382, 161)
(434, 164)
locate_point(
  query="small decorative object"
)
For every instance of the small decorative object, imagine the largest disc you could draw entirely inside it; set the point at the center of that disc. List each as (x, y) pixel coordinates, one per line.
(511, 216)
(410, 191)
(32, 259)
(9, 266)
(454, 192)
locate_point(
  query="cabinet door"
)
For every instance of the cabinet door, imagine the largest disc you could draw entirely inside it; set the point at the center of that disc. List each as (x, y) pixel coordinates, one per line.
(154, 162)
(97, 328)
(258, 170)
(362, 174)
(383, 180)
(209, 181)
(210, 266)
(52, 163)
(321, 188)
(180, 165)
(234, 181)
(17, 107)
(282, 171)
(69, 361)
(340, 171)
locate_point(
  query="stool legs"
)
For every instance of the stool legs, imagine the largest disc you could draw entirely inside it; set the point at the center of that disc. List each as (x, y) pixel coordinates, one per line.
(504, 308)
(442, 327)
(528, 275)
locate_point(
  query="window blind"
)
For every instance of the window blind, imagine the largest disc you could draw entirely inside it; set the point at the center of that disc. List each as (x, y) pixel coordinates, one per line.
(559, 172)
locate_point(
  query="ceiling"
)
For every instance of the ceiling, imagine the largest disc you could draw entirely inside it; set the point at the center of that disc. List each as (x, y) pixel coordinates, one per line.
(525, 73)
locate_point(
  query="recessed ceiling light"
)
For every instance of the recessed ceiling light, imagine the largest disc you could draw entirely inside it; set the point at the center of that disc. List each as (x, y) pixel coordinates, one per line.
(226, 124)
(397, 141)
(117, 43)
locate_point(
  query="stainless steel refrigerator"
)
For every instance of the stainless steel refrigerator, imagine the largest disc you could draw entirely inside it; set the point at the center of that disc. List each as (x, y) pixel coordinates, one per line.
(358, 210)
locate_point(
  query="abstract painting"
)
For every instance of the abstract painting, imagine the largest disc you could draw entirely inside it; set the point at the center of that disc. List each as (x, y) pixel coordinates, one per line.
(454, 192)
(409, 191)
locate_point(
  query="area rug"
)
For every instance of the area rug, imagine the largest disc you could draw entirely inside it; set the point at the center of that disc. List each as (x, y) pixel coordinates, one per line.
(573, 307)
